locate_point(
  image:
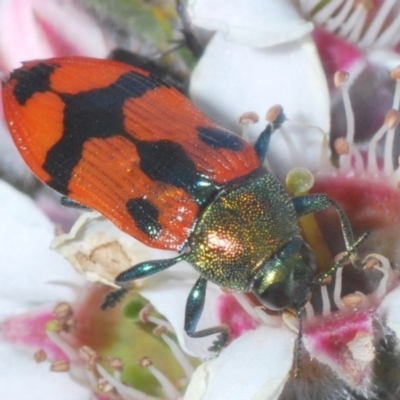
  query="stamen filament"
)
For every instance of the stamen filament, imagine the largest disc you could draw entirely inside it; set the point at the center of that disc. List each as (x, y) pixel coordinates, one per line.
(89, 375)
(337, 291)
(388, 152)
(358, 160)
(359, 18)
(392, 119)
(325, 149)
(372, 164)
(179, 355)
(335, 22)
(390, 36)
(168, 388)
(71, 353)
(308, 5)
(325, 13)
(377, 23)
(341, 78)
(247, 119)
(160, 322)
(326, 304)
(127, 392)
(388, 166)
(294, 154)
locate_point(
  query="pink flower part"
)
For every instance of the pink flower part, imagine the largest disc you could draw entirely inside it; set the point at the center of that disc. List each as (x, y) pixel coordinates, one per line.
(41, 29)
(58, 43)
(232, 314)
(362, 197)
(30, 331)
(107, 397)
(345, 344)
(337, 54)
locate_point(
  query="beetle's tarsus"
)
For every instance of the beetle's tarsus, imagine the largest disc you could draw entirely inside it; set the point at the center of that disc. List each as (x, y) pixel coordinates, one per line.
(220, 342)
(113, 298)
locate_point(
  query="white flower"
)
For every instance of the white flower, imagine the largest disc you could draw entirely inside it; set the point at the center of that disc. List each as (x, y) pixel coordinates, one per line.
(251, 64)
(34, 279)
(100, 251)
(252, 367)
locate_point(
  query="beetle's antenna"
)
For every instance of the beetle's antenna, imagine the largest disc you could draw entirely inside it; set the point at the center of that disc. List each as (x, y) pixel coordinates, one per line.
(346, 255)
(299, 349)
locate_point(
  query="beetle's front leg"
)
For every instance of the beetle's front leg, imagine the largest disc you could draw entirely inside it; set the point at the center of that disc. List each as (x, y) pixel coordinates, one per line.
(317, 202)
(313, 203)
(138, 271)
(194, 309)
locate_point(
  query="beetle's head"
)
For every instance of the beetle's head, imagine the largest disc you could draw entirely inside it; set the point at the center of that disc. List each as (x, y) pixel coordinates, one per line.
(286, 278)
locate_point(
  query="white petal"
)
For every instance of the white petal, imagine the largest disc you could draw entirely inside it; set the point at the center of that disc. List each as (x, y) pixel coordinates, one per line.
(384, 57)
(168, 292)
(253, 367)
(231, 79)
(34, 29)
(389, 310)
(257, 23)
(30, 272)
(11, 162)
(23, 379)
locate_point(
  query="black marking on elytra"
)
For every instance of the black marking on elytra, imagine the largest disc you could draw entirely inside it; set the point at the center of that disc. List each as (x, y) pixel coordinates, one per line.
(145, 214)
(31, 81)
(96, 113)
(218, 138)
(99, 113)
(166, 161)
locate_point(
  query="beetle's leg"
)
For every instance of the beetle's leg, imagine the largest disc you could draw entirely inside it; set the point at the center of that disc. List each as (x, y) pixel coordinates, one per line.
(147, 268)
(114, 297)
(191, 40)
(142, 270)
(262, 143)
(194, 308)
(67, 202)
(312, 203)
(340, 262)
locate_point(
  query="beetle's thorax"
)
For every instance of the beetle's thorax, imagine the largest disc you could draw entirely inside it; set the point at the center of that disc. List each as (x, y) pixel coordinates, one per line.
(242, 229)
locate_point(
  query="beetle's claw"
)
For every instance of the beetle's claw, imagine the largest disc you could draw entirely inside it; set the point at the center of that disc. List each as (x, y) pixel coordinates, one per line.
(220, 342)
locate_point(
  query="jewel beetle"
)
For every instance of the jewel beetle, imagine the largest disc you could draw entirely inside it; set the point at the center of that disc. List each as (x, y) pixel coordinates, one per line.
(117, 139)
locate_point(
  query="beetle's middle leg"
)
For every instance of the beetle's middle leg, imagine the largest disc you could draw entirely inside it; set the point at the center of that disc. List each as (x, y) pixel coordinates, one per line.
(194, 309)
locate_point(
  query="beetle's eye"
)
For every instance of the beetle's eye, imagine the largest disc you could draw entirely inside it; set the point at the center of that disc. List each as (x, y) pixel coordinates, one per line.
(275, 296)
